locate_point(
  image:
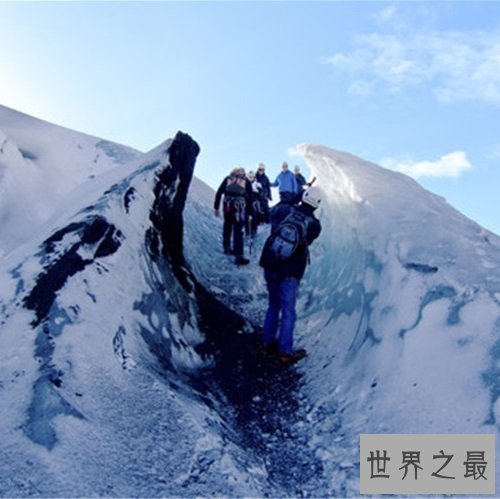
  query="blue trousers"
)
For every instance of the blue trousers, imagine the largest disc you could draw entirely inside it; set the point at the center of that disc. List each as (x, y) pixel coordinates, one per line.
(282, 299)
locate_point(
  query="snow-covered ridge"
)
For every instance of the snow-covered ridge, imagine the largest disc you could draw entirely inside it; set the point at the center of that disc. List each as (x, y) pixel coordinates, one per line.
(40, 164)
(94, 233)
(404, 291)
(390, 212)
(89, 310)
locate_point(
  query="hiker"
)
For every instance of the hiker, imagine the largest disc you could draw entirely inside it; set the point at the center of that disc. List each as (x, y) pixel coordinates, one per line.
(262, 178)
(258, 213)
(236, 208)
(299, 177)
(284, 265)
(249, 198)
(286, 183)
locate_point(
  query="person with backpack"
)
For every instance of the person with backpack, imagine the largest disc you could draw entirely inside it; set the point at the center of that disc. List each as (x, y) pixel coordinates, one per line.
(284, 258)
(236, 207)
(263, 179)
(286, 183)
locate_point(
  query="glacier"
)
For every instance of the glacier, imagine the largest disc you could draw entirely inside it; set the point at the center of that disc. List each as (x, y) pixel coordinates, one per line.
(129, 364)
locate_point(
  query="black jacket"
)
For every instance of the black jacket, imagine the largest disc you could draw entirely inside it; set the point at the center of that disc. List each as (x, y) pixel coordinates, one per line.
(300, 179)
(296, 265)
(266, 185)
(220, 192)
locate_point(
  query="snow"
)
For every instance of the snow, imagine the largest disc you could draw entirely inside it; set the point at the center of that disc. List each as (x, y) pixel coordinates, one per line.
(412, 303)
(127, 383)
(40, 164)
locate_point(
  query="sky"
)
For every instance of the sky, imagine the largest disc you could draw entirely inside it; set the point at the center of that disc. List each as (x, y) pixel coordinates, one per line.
(413, 86)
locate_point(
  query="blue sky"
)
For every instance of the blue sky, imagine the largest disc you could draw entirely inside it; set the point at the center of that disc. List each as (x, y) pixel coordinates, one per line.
(414, 86)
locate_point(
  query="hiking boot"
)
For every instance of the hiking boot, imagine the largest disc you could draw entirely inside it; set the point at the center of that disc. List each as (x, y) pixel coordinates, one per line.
(287, 359)
(270, 348)
(240, 260)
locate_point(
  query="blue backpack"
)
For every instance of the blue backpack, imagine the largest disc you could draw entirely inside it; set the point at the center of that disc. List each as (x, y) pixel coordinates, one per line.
(288, 237)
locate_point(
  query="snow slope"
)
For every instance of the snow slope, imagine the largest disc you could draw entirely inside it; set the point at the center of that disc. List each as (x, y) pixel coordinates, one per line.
(99, 328)
(40, 164)
(129, 366)
(405, 316)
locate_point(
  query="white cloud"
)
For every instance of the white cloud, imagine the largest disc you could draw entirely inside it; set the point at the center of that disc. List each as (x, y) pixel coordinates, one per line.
(449, 165)
(360, 88)
(386, 14)
(456, 65)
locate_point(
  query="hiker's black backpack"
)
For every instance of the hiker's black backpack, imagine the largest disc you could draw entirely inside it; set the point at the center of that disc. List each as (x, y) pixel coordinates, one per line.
(234, 198)
(289, 237)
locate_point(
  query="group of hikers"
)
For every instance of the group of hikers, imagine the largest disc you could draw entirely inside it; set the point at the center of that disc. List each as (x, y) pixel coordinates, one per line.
(285, 253)
(246, 200)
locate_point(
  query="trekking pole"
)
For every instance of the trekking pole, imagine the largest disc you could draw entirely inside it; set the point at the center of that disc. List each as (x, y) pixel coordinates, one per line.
(250, 238)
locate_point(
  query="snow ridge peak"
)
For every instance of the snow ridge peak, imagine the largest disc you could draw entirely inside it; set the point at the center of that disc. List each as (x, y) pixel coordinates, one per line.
(64, 282)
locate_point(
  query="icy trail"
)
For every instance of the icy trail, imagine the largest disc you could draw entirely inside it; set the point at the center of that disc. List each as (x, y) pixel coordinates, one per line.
(263, 406)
